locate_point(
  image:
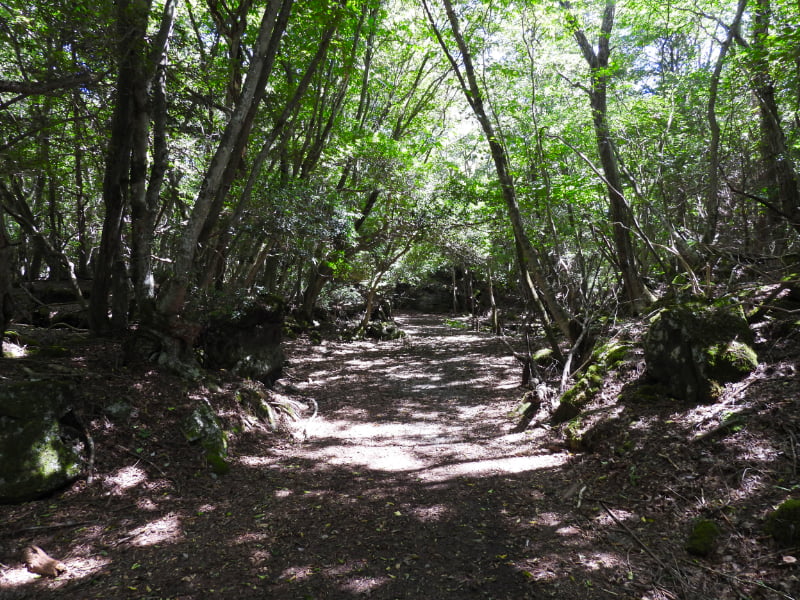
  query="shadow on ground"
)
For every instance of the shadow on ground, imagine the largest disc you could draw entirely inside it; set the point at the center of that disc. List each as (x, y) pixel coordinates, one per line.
(409, 484)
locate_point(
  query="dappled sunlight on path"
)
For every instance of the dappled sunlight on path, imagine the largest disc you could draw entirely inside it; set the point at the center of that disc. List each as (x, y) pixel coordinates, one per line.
(411, 482)
(432, 406)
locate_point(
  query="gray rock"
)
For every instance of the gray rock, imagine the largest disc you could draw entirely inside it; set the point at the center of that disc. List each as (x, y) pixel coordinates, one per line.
(248, 343)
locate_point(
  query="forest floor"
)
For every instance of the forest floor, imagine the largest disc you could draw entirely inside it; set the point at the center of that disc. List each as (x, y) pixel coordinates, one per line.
(412, 482)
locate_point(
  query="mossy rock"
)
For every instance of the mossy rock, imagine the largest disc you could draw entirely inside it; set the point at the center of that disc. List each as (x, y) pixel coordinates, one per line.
(203, 426)
(543, 356)
(247, 342)
(611, 354)
(605, 358)
(694, 348)
(783, 524)
(703, 538)
(731, 361)
(528, 405)
(40, 452)
(383, 330)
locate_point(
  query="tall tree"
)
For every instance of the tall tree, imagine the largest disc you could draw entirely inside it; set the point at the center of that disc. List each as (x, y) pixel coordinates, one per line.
(145, 188)
(635, 291)
(6, 270)
(216, 263)
(132, 18)
(712, 193)
(784, 186)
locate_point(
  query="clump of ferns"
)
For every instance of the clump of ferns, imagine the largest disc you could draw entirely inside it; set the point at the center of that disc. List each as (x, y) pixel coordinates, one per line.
(267, 406)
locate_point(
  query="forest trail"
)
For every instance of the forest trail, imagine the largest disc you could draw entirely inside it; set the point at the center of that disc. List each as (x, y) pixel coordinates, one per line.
(430, 407)
(409, 483)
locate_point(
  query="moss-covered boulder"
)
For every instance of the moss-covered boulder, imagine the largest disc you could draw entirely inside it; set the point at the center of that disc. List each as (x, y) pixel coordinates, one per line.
(383, 330)
(783, 524)
(703, 538)
(247, 341)
(203, 426)
(40, 451)
(694, 348)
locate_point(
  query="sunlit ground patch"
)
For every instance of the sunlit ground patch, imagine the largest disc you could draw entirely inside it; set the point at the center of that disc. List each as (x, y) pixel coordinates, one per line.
(165, 529)
(346, 568)
(125, 478)
(77, 568)
(494, 466)
(363, 585)
(296, 573)
(431, 514)
(257, 461)
(16, 576)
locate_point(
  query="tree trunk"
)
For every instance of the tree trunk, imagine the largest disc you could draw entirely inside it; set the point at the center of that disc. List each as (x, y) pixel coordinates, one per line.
(5, 278)
(15, 205)
(468, 81)
(782, 177)
(533, 299)
(80, 207)
(370, 303)
(494, 318)
(320, 275)
(621, 218)
(454, 286)
(216, 262)
(145, 193)
(131, 29)
(712, 193)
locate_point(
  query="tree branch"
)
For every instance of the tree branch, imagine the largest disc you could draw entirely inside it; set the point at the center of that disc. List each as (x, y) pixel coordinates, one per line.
(36, 88)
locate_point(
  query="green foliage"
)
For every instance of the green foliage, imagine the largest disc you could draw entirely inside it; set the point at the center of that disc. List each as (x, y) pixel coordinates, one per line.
(456, 324)
(573, 435)
(381, 114)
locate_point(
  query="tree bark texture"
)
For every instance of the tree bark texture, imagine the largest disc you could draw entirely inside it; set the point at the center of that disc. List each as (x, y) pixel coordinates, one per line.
(151, 109)
(131, 29)
(5, 277)
(216, 263)
(781, 172)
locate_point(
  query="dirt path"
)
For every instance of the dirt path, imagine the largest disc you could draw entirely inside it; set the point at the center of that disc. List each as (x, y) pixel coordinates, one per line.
(408, 484)
(430, 408)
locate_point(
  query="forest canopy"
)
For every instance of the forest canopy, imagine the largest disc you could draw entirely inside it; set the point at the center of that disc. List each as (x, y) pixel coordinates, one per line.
(168, 156)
